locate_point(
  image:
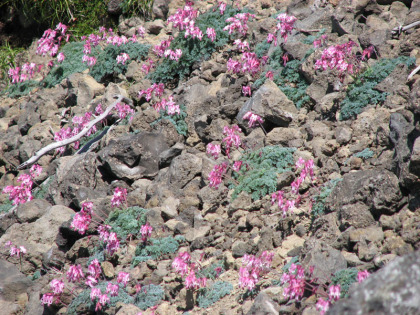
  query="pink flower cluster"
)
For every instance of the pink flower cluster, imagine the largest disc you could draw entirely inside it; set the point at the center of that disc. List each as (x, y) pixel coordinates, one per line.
(119, 198)
(242, 45)
(83, 218)
(222, 7)
(285, 26)
(253, 119)
(216, 174)
(109, 238)
(232, 138)
(146, 67)
(146, 231)
(123, 58)
(320, 41)
(78, 124)
(214, 150)
(23, 193)
(164, 104)
(183, 17)
(334, 293)
(51, 40)
(183, 265)
(123, 110)
(156, 89)
(338, 57)
(211, 33)
(295, 278)
(249, 63)
(26, 72)
(173, 55)
(238, 23)
(286, 205)
(14, 250)
(160, 49)
(362, 275)
(253, 268)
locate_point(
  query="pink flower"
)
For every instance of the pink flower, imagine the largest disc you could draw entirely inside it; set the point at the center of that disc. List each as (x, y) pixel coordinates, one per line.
(246, 90)
(242, 45)
(61, 57)
(269, 75)
(112, 288)
(147, 67)
(113, 244)
(334, 292)
(94, 268)
(123, 110)
(181, 263)
(91, 281)
(216, 175)
(119, 197)
(75, 273)
(253, 119)
(146, 231)
(94, 293)
(47, 298)
(81, 222)
(171, 107)
(231, 139)
(192, 282)
(295, 279)
(253, 267)
(211, 33)
(322, 306)
(237, 166)
(222, 7)
(234, 66)
(367, 52)
(103, 299)
(214, 150)
(285, 25)
(272, 37)
(123, 58)
(362, 275)
(141, 31)
(57, 286)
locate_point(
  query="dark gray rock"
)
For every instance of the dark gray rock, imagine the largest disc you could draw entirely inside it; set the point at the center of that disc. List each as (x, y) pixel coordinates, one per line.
(271, 104)
(160, 9)
(28, 118)
(12, 281)
(325, 259)
(133, 156)
(114, 7)
(264, 305)
(183, 169)
(377, 189)
(393, 290)
(32, 210)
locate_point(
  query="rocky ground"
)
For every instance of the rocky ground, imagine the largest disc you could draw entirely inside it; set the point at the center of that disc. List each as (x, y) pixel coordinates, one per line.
(370, 218)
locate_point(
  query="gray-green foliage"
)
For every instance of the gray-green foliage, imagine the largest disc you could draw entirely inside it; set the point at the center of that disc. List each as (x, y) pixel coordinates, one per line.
(82, 304)
(362, 92)
(6, 206)
(345, 277)
(319, 201)
(365, 154)
(106, 64)
(21, 88)
(212, 271)
(127, 222)
(149, 296)
(206, 297)
(193, 49)
(258, 174)
(156, 248)
(178, 120)
(287, 77)
(71, 64)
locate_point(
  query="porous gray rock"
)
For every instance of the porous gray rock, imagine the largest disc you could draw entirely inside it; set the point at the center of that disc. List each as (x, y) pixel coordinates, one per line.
(393, 290)
(133, 156)
(271, 104)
